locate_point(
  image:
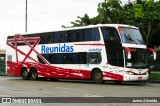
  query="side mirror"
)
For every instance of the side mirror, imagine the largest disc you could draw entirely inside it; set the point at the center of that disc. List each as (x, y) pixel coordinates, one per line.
(127, 50)
(154, 53)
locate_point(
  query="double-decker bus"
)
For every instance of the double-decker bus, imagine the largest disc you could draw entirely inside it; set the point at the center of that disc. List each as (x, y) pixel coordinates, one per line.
(97, 52)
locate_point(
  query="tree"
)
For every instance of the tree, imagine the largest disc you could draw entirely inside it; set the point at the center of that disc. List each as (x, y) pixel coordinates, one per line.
(147, 17)
(81, 21)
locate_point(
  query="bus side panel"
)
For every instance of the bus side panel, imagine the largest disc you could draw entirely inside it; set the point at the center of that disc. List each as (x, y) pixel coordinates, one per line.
(13, 68)
(59, 72)
(112, 76)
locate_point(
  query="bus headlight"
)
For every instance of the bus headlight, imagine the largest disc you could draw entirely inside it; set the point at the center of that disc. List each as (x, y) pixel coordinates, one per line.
(130, 73)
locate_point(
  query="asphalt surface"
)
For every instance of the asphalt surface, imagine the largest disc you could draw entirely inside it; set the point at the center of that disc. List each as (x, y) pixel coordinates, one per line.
(16, 87)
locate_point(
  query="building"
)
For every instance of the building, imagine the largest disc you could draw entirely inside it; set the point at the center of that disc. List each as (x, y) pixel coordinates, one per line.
(2, 53)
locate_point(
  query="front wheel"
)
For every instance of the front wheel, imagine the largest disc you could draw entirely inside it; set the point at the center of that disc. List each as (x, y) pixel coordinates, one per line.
(25, 74)
(97, 76)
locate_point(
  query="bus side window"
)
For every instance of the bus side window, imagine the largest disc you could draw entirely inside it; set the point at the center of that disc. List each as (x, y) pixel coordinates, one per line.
(46, 56)
(105, 33)
(53, 35)
(73, 36)
(116, 35)
(82, 58)
(43, 39)
(96, 35)
(77, 36)
(58, 58)
(94, 58)
(69, 36)
(67, 58)
(52, 58)
(88, 35)
(49, 38)
(63, 37)
(75, 58)
(80, 35)
(56, 37)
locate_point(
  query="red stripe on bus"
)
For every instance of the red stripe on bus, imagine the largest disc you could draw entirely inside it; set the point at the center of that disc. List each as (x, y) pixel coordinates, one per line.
(91, 44)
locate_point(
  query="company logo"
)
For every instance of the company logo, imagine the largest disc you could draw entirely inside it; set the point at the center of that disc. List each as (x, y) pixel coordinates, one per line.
(6, 100)
(57, 49)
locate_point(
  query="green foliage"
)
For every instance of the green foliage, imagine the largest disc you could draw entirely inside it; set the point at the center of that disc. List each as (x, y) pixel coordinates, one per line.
(155, 64)
(138, 11)
(154, 76)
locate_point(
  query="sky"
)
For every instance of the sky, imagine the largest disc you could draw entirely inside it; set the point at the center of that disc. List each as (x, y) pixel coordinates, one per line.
(43, 15)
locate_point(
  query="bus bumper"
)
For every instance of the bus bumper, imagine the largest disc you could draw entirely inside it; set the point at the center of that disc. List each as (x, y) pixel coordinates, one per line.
(135, 77)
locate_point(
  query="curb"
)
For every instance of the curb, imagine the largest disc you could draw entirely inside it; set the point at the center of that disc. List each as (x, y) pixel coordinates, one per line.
(153, 81)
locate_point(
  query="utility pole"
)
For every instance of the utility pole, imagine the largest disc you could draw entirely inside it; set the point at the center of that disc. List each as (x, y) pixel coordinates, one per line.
(26, 17)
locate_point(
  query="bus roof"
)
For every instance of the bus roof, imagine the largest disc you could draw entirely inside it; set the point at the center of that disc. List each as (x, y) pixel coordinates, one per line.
(83, 27)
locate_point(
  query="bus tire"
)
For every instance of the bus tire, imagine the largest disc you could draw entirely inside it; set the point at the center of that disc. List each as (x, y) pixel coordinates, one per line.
(97, 76)
(34, 74)
(25, 74)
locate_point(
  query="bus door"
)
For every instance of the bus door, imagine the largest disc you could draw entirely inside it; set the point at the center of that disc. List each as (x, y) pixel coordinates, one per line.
(113, 46)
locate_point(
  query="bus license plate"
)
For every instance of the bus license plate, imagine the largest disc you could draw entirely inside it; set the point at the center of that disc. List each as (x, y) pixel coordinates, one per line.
(140, 78)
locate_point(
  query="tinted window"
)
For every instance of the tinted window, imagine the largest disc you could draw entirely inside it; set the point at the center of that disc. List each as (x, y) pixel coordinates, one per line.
(56, 37)
(63, 37)
(96, 36)
(71, 36)
(110, 33)
(64, 58)
(90, 34)
(80, 35)
(82, 58)
(94, 58)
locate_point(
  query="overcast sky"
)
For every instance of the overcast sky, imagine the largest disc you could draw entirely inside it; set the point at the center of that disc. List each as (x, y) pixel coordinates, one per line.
(43, 15)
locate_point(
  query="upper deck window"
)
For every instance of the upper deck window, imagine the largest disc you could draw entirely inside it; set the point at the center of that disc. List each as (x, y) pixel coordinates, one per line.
(110, 33)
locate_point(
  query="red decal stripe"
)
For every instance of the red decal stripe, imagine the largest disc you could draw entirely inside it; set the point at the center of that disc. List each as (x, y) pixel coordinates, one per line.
(90, 44)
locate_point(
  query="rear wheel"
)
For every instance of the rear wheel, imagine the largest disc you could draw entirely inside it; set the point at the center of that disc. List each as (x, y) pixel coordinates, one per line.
(34, 74)
(25, 74)
(97, 76)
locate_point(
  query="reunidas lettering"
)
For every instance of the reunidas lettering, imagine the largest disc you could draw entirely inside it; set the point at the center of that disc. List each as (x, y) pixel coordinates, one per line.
(57, 49)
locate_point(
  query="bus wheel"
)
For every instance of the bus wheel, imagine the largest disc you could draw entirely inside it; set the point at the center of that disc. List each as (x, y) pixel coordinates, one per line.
(25, 74)
(34, 74)
(97, 76)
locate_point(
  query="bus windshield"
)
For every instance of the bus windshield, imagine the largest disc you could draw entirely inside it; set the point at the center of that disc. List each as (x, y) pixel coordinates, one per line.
(131, 35)
(138, 58)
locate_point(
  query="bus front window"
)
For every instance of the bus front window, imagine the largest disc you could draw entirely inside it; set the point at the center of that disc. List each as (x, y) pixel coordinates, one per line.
(131, 35)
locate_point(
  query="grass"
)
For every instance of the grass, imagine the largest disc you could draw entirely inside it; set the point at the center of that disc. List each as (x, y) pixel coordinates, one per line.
(154, 76)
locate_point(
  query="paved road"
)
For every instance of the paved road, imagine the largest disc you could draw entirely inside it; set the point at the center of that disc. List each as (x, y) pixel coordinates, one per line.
(16, 87)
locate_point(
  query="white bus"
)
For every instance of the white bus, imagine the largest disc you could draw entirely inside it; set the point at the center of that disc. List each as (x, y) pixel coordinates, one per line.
(97, 52)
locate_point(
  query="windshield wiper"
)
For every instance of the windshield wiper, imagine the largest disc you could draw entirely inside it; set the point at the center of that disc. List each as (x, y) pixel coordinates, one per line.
(140, 41)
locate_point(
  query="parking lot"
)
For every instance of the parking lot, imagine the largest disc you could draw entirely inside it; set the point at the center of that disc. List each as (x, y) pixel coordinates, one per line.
(16, 87)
